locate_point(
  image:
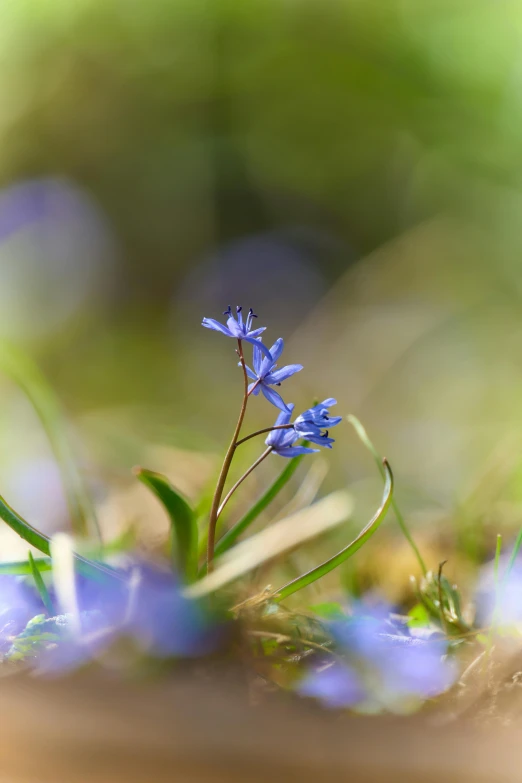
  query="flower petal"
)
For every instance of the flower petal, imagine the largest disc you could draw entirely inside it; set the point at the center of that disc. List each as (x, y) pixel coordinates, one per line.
(210, 323)
(321, 440)
(257, 332)
(259, 344)
(234, 328)
(276, 350)
(251, 374)
(258, 359)
(294, 451)
(273, 397)
(278, 376)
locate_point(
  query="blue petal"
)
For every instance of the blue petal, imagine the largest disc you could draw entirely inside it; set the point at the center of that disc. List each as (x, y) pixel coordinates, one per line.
(328, 403)
(273, 397)
(257, 332)
(210, 323)
(278, 376)
(276, 350)
(258, 359)
(234, 328)
(321, 440)
(295, 451)
(259, 344)
(254, 388)
(249, 372)
(307, 427)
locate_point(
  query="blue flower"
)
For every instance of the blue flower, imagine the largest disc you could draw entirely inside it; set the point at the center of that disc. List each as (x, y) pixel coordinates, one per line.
(239, 329)
(265, 375)
(282, 441)
(337, 686)
(314, 420)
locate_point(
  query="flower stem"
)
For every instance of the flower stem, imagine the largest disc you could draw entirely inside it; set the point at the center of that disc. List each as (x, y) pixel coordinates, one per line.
(238, 483)
(262, 432)
(226, 465)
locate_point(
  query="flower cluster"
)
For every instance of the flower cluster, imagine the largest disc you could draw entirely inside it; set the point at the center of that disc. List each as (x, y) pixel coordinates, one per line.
(313, 425)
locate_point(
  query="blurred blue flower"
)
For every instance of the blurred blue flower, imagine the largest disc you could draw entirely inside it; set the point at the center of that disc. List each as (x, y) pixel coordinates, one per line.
(19, 602)
(148, 609)
(401, 665)
(337, 686)
(282, 441)
(239, 329)
(265, 375)
(500, 596)
(315, 419)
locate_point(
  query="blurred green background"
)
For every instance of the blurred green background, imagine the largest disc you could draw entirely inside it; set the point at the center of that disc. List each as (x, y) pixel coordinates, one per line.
(351, 169)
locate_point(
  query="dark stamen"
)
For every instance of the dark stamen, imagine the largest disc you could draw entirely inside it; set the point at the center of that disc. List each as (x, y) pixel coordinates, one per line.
(325, 434)
(252, 314)
(228, 311)
(278, 384)
(238, 309)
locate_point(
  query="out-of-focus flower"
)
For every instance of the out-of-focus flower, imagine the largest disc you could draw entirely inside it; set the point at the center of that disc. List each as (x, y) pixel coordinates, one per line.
(401, 666)
(148, 609)
(316, 419)
(265, 375)
(282, 440)
(18, 604)
(239, 329)
(335, 686)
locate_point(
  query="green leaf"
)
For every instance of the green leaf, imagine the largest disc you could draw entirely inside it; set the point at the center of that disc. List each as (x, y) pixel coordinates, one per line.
(321, 570)
(183, 522)
(233, 534)
(25, 373)
(363, 435)
(43, 543)
(40, 586)
(23, 567)
(418, 616)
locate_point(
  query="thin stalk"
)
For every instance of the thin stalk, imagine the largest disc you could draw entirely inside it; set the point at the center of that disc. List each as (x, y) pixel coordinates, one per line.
(363, 435)
(226, 465)
(230, 537)
(238, 483)
(262, 432)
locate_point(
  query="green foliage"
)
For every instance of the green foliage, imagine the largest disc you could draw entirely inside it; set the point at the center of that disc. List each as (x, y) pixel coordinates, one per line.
(37, 636)
(183, 522)
(41, 587)
(316, 573)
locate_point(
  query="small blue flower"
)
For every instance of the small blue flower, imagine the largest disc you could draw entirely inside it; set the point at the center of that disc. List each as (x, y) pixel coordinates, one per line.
(265, 375)
(282, 441)
(315, 419)
(239, 329)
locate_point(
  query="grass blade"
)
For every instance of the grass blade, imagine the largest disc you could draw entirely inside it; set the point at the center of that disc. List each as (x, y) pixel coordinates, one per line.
(23, 567)
(319, 571)
(40, 586)
(281, 481)
(363, 435)
(43, 543)
(183, 522)
(25, 373)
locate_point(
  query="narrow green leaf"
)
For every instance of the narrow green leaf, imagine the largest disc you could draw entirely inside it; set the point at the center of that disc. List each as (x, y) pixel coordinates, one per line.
(363, 435)
(25, 373)
(316, 573)
(42, 542)
(23, 567)
(182, 518)
(232, 535)
(40, 586)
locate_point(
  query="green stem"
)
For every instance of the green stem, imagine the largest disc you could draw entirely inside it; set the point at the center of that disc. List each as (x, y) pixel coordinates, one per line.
(363, 435)
(226, 466)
